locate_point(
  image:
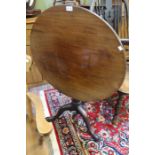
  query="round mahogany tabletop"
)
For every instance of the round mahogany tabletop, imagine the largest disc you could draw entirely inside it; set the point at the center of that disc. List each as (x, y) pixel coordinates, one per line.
(78, 53)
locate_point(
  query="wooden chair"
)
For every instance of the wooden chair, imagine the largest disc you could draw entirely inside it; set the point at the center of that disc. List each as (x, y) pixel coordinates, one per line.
(43, 127)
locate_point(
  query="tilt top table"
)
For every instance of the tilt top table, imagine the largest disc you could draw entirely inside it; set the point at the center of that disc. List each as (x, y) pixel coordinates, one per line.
(79, 54)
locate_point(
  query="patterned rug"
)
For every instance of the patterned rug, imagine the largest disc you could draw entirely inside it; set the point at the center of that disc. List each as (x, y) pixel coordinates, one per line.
(108, 118)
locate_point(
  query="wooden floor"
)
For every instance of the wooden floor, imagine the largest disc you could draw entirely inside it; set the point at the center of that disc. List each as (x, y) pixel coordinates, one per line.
(32, 141)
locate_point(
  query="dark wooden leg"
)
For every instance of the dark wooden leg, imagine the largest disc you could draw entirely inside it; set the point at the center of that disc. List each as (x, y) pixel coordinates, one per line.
(117, 107)
(75, 106)
(84, 116)
(69, 106)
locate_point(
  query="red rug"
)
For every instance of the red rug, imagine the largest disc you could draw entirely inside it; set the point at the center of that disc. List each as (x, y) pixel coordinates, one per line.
(108, 118)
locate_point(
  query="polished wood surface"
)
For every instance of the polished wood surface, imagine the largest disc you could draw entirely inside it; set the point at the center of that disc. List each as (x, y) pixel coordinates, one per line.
(78, 53)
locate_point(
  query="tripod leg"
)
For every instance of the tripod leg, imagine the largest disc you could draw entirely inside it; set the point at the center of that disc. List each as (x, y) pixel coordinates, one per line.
(84, 115)
(69, 106)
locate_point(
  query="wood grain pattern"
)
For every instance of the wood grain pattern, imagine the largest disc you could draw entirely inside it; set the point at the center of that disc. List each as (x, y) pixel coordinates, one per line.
(77, 52)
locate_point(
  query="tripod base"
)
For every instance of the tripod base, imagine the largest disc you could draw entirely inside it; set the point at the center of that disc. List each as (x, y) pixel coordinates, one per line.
(75, 105)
